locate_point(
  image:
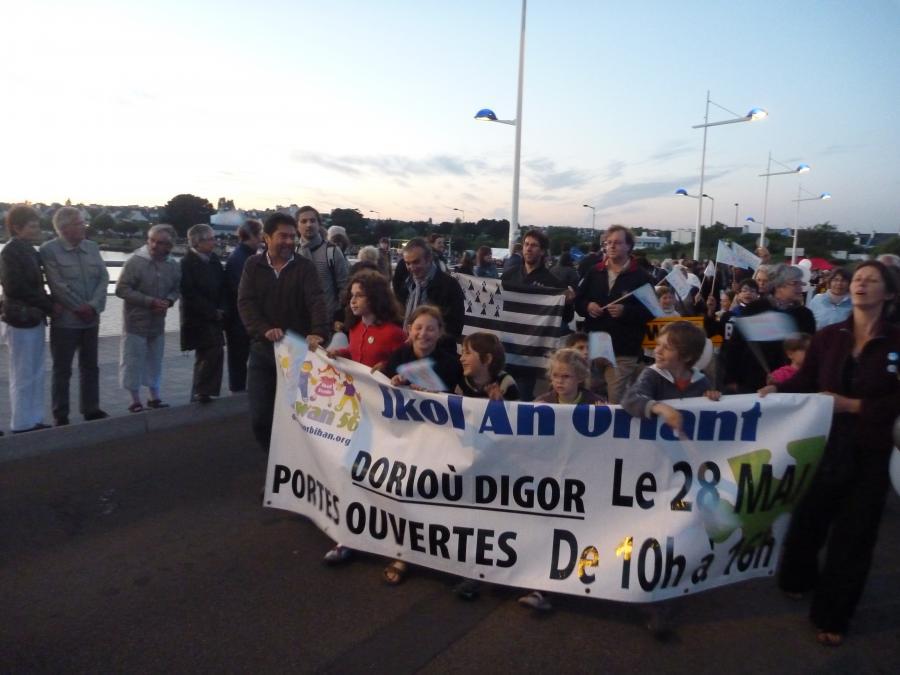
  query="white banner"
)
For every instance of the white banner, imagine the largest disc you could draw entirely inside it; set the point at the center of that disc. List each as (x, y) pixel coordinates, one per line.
(584, 500)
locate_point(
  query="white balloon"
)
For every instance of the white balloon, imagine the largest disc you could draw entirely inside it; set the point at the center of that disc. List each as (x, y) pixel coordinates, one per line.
(895, 470)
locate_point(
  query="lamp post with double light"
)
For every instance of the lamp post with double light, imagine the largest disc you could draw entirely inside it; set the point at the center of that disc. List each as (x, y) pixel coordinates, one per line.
(800, 169)
(754, 114)
(800, 198)
(681, 192)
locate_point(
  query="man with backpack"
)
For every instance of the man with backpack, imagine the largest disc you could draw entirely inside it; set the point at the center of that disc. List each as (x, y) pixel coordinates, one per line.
(329, 261)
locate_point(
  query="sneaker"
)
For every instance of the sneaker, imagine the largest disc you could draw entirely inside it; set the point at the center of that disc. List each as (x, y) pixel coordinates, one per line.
(337, 555)
(467, 589)
(537, 601)
(95, 415)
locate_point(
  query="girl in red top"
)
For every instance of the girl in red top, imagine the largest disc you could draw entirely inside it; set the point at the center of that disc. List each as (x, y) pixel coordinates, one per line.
(374, 317)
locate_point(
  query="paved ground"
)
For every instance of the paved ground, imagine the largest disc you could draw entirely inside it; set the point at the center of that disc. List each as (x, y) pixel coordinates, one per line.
(176, 388)
(155, 555)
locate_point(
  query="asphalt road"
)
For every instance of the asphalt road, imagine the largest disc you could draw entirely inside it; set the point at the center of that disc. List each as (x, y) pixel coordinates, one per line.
(155, 555)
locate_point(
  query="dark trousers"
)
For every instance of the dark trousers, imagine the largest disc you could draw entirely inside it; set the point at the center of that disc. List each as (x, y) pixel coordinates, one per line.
(64, 342)
(238, 352)
(851, 511)
(261, 383)
(208, 362)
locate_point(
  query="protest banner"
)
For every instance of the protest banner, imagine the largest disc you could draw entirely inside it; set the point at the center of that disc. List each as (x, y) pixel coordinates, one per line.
(528, 324)
(656, 325)
(576, 499)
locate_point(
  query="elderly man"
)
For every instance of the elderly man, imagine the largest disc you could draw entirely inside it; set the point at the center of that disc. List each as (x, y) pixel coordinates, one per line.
(279, 292)
(249, 239)
(329, 260)
(149, 284)
(597, 299)
(202, 312)
(427, 285)
(78, 282)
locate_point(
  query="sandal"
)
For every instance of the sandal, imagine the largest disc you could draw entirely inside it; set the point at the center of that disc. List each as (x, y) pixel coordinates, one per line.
(156, 403)
(828, 639)
(135, 408)
(395, 573)
(337, 555)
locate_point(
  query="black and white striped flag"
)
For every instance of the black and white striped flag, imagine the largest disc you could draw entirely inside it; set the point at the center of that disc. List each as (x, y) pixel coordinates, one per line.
(529, 324)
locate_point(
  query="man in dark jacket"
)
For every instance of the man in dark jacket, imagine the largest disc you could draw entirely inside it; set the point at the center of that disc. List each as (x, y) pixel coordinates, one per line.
(530, 275)
(202, 312)
(249, 237)
(279, 291)
(625, 321)
(427, 285)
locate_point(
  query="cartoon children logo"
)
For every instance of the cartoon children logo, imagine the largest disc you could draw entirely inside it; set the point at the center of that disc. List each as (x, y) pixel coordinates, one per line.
(316, 392)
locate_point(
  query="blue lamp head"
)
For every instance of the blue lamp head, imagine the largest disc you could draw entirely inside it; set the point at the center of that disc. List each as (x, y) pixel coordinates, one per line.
(803, 168)
(486, 114)
(681, 192)
(750, 219)
(757, 114)
(825, 195)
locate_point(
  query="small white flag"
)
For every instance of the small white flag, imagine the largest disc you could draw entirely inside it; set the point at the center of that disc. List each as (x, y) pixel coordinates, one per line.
(766, 327)
(710, 270)
(647, 296)
(724, 254)
(600, 347)
(679, 283)
(744, 258)
(421, 373)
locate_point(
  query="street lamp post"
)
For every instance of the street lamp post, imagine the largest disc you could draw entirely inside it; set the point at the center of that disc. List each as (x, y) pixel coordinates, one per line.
(736, 207)
(754, 114)
(681, 192)
(593, 216)
(800, 198)
(712, 210)
(488, 115)
(462, 211)
(801, 168)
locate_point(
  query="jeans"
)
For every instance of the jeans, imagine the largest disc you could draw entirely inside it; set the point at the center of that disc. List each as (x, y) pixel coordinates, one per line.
(64, 342)
(261, 382)
(26, 376)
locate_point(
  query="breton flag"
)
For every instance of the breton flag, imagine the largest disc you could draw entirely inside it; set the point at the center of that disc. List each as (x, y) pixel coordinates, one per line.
(529, 324)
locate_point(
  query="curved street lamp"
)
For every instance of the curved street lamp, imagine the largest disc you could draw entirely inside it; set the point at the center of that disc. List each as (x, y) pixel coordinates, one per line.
(814, 198)
(488, 115)
(681, 192)
(593, 215)
(801, 168)
(753, 115)
(462, 211)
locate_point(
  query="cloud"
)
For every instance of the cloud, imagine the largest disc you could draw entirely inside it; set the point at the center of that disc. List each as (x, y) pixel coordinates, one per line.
(543, 172)
(615, 169)
(628, 193)
(396, 166)
(671, 150)
(838, 149)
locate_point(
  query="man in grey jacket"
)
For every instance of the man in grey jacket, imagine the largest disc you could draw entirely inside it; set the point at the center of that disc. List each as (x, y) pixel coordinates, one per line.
(78, 282)
(329, 261)
(149, 285)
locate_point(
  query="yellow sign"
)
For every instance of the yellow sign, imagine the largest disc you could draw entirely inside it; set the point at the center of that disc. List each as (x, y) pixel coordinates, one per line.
(656, 325)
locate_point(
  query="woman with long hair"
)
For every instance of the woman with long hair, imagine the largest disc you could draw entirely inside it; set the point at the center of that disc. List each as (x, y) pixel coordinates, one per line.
(855, 362)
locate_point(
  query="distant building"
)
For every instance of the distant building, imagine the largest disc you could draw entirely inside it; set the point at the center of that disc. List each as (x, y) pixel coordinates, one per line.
(650, 241)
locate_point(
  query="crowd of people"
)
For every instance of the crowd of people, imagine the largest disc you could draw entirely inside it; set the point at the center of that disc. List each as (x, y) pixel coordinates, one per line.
(288, 274)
